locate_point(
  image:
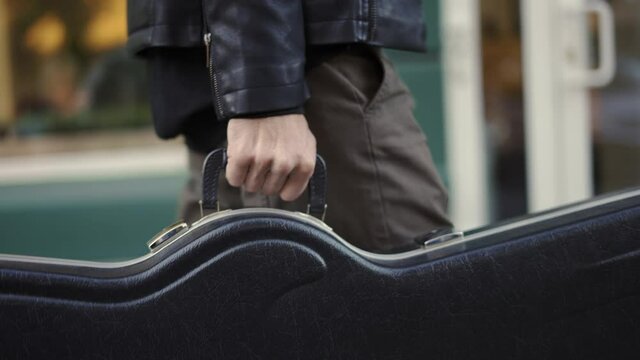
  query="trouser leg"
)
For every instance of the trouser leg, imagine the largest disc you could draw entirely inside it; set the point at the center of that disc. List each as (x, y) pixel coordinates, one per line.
(383, 186)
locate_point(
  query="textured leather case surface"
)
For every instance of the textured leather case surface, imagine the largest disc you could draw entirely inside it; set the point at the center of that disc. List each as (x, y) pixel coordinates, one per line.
(268, 287)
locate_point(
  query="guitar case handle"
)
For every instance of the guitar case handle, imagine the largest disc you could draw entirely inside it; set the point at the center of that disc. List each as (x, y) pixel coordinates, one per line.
(216, 161)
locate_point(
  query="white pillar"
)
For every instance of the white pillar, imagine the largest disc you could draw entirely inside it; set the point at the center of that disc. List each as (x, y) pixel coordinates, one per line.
(557, 116)
(464, 113)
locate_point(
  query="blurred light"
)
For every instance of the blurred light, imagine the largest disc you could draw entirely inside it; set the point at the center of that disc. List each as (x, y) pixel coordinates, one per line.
(46, 36)
(108, 27)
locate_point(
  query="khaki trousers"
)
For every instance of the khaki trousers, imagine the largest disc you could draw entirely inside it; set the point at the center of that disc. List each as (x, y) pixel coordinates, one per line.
(383, 187)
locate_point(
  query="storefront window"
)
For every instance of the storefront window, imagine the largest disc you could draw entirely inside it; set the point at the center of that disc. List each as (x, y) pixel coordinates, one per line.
(68, 71)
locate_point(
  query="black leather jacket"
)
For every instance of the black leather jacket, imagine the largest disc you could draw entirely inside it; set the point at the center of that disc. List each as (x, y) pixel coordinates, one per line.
(256, 48)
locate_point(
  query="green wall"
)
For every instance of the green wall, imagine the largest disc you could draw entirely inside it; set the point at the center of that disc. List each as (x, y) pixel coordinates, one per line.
(423, 74)
(88, 220)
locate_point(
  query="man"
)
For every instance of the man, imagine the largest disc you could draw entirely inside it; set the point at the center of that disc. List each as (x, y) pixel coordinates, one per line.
(282, 78)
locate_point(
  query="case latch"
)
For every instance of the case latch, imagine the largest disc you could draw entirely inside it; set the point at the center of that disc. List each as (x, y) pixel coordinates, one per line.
(166, 234)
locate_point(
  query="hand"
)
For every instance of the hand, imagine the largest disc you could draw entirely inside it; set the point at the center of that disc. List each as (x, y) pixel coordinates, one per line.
(273, 155)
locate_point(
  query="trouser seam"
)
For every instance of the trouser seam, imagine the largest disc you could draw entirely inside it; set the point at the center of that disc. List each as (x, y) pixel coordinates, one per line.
(374, 161)
(367, 113)
(367, 109)
(363, 114)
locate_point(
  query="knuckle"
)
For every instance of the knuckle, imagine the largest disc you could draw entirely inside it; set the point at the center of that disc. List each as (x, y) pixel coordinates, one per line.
(290, 195)
(233, 181)
(282, 168)
(241, 160)
(259, 159)
(307, 167)
(292, 192)
(262, 159)
(286, 196)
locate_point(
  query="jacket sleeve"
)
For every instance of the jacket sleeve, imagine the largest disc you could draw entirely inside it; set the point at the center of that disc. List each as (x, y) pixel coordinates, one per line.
(256, 55)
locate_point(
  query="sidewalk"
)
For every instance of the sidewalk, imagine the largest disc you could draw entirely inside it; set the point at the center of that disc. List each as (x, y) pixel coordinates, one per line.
(111, 155)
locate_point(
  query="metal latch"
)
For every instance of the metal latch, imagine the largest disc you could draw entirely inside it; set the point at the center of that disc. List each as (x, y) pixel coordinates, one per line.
(438, 236)
(166, 234)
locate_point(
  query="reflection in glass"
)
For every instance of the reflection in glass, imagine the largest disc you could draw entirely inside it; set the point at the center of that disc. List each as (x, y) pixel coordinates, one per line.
(616, 108)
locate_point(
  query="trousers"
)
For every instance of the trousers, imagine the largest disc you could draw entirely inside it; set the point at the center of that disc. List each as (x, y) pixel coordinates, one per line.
(383, 188)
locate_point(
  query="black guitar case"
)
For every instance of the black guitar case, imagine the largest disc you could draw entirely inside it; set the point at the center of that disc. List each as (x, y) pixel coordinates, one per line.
(267, 284)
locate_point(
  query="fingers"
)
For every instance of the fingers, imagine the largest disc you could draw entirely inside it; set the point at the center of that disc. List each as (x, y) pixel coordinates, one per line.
(237, 169)
(270, 177)
(257, 174)
(272, 155)
(247, 171)
(297, 181)
(277, 177)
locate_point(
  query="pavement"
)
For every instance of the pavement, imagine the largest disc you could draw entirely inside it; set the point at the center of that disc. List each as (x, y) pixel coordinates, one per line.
(111, 155)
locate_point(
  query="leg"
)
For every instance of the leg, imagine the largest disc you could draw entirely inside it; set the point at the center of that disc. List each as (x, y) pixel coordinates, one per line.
(383, 186)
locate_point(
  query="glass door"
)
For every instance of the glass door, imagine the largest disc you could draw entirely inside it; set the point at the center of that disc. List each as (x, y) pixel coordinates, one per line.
(615, 108)
(558, 77)
(542, 103)
(582, 66)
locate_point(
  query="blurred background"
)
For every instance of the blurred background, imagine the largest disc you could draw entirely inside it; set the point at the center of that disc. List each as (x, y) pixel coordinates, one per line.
(527, 105)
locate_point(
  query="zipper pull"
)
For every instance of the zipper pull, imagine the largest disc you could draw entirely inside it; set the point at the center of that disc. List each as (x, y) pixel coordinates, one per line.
(207, 45)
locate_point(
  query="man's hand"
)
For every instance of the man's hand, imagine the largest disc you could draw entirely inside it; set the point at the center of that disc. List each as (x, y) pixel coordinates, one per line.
(274, 155)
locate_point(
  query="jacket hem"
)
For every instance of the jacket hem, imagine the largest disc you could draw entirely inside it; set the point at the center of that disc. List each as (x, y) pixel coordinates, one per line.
(318, 33)
(264, 99)
(174, 35)
(335, 32)
(390, 33)
(400, 34)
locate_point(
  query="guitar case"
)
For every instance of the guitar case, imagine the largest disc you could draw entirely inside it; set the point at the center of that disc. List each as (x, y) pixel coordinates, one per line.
(270, 284)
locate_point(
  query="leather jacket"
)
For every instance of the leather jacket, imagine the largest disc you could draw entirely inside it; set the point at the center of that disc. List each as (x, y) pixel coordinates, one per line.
(255, 49)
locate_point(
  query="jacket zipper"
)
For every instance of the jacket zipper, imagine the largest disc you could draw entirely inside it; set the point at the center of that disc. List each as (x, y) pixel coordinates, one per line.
(373, 18)
(213, 79)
